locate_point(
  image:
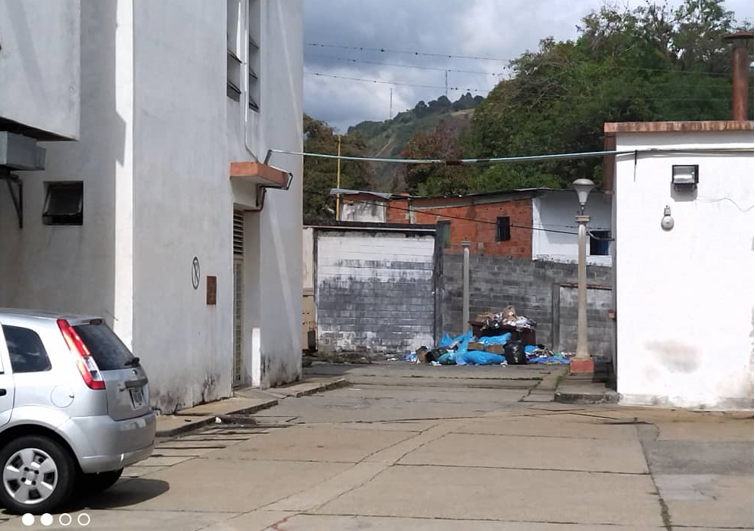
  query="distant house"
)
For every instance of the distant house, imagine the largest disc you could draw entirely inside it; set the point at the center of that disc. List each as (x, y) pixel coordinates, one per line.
(535, 223)
(683, 262)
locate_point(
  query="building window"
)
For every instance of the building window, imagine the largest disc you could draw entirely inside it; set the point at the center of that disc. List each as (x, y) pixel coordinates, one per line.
(254, 58)
(233, 38)
(503, 229)
(600, 242)
(64, 204)
(443, 234)
(27, 354)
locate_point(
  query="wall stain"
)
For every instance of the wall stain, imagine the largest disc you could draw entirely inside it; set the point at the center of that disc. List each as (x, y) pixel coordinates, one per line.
(675, 355)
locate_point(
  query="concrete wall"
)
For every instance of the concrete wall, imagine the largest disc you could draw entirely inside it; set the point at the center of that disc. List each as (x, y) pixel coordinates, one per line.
(543, 291)
(555, 211)
(74, 268)
(273, 237)
(182, 201)
(369, 209)
(684, 296)
(157, 193)
(39, 65)
(374, 290)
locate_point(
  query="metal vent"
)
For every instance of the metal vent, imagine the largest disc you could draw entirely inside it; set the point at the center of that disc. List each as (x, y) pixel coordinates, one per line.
(238, 233)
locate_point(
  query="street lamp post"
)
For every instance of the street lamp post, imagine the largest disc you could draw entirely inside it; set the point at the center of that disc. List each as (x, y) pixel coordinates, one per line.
(582, 361)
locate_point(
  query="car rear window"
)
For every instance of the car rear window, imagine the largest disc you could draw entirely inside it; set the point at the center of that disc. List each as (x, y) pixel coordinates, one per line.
(106, 348)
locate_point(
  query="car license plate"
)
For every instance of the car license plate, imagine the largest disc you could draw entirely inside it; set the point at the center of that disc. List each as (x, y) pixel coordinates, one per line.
(137, 398)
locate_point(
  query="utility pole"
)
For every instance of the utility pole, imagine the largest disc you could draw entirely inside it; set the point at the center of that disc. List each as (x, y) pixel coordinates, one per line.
(465, 288)
(390, 106)
(446, 83)
(338, 182)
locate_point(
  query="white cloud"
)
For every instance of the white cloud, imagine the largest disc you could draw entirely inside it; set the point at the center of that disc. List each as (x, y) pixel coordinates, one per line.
(489, 28)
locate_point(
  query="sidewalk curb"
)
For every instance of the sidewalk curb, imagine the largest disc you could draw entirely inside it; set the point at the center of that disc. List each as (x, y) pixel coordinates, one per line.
(196, 423)
(606, 397)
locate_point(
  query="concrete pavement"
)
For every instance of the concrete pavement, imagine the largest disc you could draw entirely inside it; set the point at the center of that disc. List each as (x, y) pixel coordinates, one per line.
(387, 455)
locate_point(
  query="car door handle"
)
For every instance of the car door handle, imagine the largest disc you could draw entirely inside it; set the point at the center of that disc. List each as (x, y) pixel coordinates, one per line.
(3, 392)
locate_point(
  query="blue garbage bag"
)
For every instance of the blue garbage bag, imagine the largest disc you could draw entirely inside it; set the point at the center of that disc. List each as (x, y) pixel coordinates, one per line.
(446, 341)
(529, 349)
(495, 340)
(412, 356)
(449, 358)
(478, 357)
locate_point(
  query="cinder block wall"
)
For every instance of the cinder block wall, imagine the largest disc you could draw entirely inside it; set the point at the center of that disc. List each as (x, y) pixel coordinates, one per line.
(539, 290)
(374, 290)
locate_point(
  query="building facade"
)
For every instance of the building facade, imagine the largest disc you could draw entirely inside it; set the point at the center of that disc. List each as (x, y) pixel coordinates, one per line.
(683, 263)
(533, 223)
(159, 215)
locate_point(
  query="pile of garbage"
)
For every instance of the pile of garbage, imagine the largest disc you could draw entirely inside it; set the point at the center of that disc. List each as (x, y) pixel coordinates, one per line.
(508, 317)
(467, 349)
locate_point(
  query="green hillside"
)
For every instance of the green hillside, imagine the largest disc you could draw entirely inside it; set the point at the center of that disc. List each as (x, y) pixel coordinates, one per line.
(389, 138)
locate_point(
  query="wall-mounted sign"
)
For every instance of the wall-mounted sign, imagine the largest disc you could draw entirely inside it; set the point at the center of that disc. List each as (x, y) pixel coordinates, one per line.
(195, 273)
(212, 290)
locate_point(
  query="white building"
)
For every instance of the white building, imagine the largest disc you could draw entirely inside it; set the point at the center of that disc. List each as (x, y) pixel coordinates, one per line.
(683, 263)
(539, 221)
(155, 214)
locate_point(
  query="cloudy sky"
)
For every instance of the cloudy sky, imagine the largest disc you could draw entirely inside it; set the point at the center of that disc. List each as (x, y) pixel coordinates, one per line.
(486, 29)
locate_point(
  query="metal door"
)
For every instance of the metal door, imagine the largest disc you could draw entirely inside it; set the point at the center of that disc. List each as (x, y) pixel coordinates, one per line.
(238, 296)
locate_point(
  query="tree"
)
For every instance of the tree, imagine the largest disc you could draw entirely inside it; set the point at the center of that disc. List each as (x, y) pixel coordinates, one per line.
(435, 179)
(649, 63)
(320, 173)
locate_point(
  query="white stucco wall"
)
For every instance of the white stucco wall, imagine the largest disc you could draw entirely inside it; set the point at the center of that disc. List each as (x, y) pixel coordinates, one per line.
(39, 64)
(182, 201)
(74, 268)
(685, 296)
(556, 211)
(370, 211)
(273, 237)
(154, 154)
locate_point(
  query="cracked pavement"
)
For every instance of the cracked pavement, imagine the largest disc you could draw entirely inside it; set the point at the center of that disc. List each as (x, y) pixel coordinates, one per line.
(422, 454)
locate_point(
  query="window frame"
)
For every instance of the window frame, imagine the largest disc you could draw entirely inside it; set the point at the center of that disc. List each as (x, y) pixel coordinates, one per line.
(15, 370)
(600, 238)
(71, 219)
(502, 232)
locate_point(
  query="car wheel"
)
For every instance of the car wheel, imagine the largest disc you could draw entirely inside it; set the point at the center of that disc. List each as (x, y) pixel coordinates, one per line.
(38, 475)
(96, 483)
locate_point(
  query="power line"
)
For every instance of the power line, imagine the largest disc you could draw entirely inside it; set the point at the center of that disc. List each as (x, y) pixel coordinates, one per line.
(497, 59)
(517, 159)
(436, 69)
(363, 80)
(417, 53)
(438, 87)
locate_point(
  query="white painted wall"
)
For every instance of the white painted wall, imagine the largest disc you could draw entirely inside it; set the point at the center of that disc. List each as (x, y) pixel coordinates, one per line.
(556, 211)
(370, 212)
(182, 201)
(154, 154)
(74, 268)
(684, 297)
(273, 246)
(39, 64)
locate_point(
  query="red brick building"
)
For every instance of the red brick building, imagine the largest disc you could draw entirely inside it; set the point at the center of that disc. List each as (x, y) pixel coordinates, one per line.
(534, 223)
(499, 223)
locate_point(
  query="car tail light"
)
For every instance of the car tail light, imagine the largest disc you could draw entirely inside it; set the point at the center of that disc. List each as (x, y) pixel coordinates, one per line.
(84, 360)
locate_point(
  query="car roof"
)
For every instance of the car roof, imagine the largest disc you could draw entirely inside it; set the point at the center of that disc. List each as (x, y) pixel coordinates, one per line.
(40, 314)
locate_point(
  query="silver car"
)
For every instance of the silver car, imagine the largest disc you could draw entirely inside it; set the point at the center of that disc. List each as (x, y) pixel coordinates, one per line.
(74, 409)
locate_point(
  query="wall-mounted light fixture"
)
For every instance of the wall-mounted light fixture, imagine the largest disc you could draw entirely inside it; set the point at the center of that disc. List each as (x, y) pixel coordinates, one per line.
(685, 177)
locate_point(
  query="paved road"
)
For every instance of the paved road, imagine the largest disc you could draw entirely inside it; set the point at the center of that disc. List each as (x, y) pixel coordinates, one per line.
(410, 453)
